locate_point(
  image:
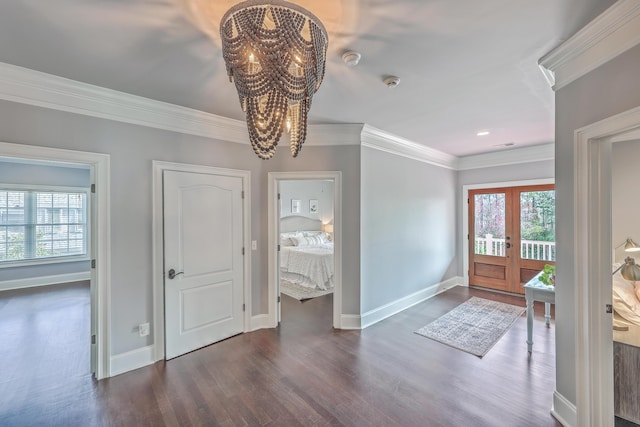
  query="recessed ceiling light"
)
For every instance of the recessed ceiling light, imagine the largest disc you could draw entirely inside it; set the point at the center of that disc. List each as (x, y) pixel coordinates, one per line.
(483, 133)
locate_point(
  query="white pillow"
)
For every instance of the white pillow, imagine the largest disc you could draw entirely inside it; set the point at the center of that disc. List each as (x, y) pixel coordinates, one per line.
(325, 236)
(286, 238)
(309, 240)
(286, 242)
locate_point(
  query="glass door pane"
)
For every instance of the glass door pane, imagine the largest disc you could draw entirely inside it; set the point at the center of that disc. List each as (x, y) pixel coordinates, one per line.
(489, 224)
(538, 225)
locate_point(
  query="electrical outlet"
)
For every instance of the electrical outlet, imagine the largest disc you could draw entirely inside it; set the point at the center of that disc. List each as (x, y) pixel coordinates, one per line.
(143, 329)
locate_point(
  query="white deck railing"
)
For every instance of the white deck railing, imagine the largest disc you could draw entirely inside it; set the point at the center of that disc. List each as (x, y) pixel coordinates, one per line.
(529, 249)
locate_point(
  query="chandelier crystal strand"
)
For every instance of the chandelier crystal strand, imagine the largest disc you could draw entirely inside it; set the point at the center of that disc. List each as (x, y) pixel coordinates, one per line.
(275, 53)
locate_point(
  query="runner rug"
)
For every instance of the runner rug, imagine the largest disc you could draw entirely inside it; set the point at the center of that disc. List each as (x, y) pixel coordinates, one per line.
(474, 326)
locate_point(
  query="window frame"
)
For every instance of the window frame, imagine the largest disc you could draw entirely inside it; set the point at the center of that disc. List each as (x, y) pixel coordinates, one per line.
(55, 259)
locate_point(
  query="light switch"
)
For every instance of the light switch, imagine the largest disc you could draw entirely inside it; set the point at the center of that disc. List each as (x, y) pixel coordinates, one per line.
(254, 245)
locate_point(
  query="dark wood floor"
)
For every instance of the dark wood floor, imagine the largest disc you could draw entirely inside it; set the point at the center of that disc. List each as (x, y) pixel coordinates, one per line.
(44, 352)
(303, 373)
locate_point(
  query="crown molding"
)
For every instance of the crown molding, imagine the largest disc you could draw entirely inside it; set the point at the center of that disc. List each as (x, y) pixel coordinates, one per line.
(390, 143)
(32, 87)
(613, 32)
(334, 134)
(529, 154)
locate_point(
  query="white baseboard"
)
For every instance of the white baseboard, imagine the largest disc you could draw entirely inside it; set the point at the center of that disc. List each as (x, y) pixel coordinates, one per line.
(31, 282)
(564, 411)
(394, 307)
(350, 321)
(134, 359)
(260, 321)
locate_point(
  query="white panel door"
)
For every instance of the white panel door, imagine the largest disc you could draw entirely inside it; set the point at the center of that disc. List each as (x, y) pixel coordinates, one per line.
(204, 279)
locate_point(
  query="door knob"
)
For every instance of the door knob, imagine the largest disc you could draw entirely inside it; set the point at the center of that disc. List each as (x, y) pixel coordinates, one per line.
(173, 274)
(508, 245)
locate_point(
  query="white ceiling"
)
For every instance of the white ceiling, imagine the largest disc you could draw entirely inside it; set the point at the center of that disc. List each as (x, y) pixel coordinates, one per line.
(465, 65)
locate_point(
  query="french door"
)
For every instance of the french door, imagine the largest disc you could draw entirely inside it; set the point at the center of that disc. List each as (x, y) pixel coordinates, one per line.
(511, 235)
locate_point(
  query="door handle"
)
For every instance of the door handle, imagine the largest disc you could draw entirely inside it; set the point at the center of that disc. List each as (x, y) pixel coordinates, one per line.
(173, 274)
(508, 246)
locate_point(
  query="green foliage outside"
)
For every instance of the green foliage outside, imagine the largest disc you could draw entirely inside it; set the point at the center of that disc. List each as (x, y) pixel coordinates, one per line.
(16, 247)
(548, 276)
(538, 216)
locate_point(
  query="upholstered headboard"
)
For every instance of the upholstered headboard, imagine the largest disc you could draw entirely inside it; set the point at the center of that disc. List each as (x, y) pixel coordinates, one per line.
(299, 223)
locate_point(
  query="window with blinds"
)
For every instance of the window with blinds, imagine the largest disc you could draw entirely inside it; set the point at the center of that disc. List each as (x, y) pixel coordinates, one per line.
(42, 225)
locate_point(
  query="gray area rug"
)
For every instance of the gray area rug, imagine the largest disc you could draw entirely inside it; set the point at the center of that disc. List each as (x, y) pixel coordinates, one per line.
(474, 326)
(301, 293)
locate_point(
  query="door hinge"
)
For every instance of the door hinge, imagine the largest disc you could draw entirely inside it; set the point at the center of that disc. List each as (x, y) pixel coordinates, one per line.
(278, 196)
(93, 339)
(243, 194)
(278, 248)
(243, 307)
(608, 308)
(467, 237)
(278, 298)
(242, 251)
(93, 263)
(93, 188)
(467, 200)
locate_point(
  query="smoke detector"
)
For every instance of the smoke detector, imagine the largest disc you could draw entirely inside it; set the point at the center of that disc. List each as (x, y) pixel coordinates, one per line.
(391, 81)
(351, 58)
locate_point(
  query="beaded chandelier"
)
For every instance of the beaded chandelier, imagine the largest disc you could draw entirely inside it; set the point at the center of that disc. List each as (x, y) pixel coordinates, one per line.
(275, 53)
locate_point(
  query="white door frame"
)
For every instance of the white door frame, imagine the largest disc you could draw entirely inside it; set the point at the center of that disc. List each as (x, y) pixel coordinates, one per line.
(158, 243)
(274, 226)
(464, 241)
(592, 266)
(98, 165)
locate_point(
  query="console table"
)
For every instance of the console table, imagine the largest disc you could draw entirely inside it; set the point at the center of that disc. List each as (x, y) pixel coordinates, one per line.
(535, 290)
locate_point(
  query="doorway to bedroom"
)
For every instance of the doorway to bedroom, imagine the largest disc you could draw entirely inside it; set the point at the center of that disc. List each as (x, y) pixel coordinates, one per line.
(305, 248)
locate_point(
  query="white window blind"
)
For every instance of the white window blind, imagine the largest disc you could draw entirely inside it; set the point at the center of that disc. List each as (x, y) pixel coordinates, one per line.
(42, 224)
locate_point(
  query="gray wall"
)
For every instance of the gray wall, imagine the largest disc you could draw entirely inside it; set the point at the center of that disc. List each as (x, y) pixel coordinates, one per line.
(610, 89)
(497, 174)
(625, 204)
(132, 149)
(408, 227)
(347, 160)
(35, 174)
(305, 190)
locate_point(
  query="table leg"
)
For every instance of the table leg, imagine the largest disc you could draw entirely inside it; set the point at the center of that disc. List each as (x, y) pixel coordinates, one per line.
(529, 325)
(547, 313)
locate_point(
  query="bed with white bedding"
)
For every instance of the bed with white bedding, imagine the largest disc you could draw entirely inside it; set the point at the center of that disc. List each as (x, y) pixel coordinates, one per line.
(306, 253)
